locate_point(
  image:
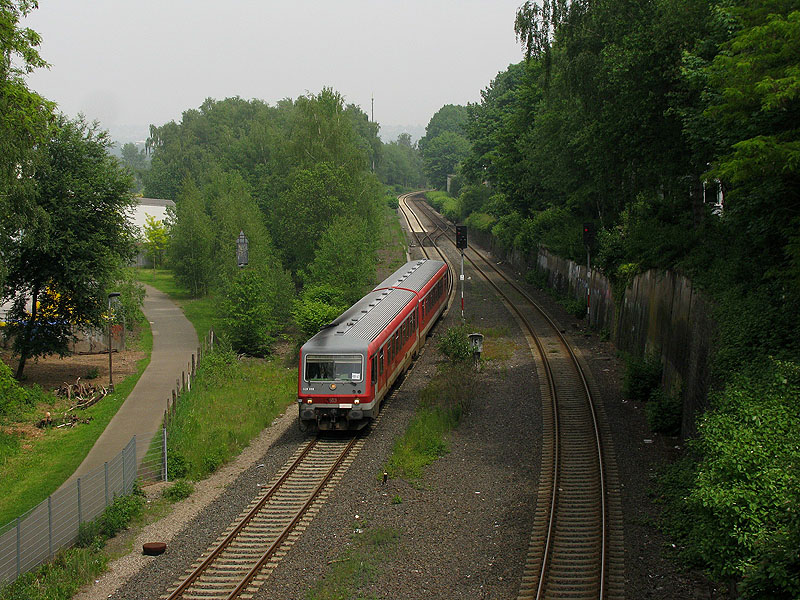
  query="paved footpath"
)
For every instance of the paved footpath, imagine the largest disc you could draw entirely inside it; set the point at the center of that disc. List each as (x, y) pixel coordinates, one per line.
(174, 341)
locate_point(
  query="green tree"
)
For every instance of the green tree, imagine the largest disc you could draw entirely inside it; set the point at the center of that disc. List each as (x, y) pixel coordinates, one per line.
(253, 310)
(754, 88)
(190, 244)
(155, 239)
(451, 117)
(61, 264)
(136, 160)
(401, 163)
(346, 254)
(24, 121)
(442, 155)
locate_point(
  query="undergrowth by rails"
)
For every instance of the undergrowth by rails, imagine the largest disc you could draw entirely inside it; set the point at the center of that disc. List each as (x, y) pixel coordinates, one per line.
(442, 403)
(232, 399)
(360, 566)
(73, 568)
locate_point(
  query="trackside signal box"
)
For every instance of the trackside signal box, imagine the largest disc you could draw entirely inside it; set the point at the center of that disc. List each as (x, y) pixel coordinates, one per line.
(589, 233)
(461, 236)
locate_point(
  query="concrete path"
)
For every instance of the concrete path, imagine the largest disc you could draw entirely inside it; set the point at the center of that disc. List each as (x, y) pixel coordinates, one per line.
(174, 341)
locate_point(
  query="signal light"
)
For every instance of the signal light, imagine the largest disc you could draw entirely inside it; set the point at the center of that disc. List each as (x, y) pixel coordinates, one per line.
(461, 236)
(589, 234)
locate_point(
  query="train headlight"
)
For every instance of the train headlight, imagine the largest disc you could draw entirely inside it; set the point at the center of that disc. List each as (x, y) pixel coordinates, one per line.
(308, 401)
(356, 401)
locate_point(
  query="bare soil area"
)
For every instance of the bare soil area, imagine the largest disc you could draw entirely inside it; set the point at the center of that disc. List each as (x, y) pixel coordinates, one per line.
(52, 371)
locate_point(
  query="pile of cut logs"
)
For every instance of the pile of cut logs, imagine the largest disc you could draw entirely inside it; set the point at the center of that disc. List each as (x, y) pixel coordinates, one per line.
(83, 395)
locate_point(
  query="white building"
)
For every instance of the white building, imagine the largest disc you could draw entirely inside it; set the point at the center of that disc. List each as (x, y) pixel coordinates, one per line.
(153, 207)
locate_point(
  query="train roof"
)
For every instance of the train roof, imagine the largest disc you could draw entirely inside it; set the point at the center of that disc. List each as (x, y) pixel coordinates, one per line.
(355, 328)
(362, 322)
(412, 275)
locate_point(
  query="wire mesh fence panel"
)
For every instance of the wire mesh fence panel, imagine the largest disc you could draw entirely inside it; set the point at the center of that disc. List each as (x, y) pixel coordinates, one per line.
(55, 523)
(93, 495)
(66, 516)
(34, 538)
(151, 466)
(8, 551)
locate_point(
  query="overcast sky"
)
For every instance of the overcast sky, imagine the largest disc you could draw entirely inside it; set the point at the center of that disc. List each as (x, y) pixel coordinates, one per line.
(130, 63)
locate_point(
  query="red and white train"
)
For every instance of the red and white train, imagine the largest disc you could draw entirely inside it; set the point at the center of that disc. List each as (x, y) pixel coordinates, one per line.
(347, 369)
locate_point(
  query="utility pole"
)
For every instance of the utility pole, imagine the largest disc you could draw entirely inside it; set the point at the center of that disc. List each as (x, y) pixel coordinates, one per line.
(372, 118)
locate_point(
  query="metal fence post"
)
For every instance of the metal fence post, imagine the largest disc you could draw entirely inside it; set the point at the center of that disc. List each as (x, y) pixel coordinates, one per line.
(164, 453)
(80, 515)
(105, 469)
(49, 526)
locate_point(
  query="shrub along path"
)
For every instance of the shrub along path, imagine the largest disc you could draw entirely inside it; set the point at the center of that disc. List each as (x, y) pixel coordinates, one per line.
(174, 341)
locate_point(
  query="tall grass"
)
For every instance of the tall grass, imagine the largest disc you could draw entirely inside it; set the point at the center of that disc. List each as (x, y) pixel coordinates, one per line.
(230, 402)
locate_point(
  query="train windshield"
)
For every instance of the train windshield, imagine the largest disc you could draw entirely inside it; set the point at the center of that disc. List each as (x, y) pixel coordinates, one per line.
(333, 367)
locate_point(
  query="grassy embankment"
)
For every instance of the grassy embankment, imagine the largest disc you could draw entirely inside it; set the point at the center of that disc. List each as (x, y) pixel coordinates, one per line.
(35, 467)
(231, 400)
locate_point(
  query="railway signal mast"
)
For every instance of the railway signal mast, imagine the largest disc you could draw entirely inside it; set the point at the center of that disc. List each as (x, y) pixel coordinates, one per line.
(461, 244)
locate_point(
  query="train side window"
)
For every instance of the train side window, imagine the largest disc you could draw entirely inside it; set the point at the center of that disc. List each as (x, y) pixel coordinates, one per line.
(380, 361)
(374, 360)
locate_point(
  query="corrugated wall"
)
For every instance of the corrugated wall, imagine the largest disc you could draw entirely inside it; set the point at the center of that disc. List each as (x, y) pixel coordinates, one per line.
(659, 313)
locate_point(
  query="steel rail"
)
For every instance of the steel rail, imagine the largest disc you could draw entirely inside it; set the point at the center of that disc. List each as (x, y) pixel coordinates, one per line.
(288, 529)
(196, 573)
(241, 526)
(597, 439)
(405, 208)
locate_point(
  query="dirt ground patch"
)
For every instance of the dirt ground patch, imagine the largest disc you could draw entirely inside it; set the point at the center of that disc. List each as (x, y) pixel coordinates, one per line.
(53, 371)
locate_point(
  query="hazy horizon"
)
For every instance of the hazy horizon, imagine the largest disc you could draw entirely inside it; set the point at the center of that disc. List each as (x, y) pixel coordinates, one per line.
(129, 65)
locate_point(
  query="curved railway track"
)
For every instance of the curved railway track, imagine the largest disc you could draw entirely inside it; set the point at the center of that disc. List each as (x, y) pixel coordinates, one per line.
(244, 556)
(576, 548)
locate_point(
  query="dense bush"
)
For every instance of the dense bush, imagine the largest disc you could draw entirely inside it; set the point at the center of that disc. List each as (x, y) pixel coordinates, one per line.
(317, 306)
(664, 412)
(12, 395)
(455, 344)
(252, 312)
(735, 512)
(446, 204)
(115, 518)
(480, 221)
(642, 376)
(179, 490)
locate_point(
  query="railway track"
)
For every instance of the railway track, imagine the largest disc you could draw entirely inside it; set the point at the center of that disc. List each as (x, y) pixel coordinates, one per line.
(244, 556)
(576, 548)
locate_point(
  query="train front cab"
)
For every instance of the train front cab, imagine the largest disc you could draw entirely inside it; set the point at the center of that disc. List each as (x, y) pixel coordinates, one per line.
(335, 391)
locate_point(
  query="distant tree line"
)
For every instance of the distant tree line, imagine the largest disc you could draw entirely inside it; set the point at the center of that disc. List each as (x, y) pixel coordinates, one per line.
(638, 116)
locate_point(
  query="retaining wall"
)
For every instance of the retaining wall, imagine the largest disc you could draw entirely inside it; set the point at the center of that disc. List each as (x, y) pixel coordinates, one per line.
(659, 313)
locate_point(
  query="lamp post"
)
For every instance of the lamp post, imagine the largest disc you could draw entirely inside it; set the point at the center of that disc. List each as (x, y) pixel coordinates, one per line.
(241, 249)
(110, 371)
